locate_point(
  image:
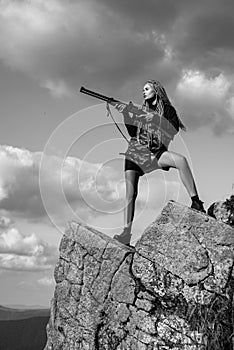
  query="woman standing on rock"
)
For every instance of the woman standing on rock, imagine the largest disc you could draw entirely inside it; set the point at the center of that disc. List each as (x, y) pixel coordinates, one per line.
(148, 149)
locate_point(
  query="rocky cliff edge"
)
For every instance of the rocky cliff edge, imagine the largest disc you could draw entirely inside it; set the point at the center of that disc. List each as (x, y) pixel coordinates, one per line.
(173, 291)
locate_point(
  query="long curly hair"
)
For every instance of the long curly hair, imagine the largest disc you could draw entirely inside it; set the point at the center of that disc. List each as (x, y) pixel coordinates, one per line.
(161, 100)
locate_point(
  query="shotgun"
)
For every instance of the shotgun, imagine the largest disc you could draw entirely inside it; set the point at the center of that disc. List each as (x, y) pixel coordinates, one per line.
(169, 125)
(137, 110)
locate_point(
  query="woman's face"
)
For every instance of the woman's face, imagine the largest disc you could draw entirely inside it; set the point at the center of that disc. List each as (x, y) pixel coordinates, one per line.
(148, 92)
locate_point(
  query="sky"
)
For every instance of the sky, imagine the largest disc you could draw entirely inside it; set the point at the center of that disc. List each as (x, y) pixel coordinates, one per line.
(59, 152)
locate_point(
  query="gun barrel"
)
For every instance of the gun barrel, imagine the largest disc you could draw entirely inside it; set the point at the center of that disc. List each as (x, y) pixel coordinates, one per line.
(97, 95)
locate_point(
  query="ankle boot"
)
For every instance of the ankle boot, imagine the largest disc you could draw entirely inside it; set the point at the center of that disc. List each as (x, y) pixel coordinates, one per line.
(198, 205)
(124, 237)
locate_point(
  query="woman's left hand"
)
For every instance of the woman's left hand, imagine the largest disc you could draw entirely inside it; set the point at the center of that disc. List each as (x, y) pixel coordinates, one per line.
(123, 107)
(149, 116)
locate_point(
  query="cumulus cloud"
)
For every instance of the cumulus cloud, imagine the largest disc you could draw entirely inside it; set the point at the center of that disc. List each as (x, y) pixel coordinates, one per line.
(67, 186)
(19, 186)
(201, 36)
(206, 100)
(62, 44)
(119, 44)
(83, 190)
(5, 222)
(46, 281)
(24, 252)
(24, 263)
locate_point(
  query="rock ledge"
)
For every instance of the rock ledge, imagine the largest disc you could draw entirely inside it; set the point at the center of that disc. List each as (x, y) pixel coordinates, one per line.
(174, 291)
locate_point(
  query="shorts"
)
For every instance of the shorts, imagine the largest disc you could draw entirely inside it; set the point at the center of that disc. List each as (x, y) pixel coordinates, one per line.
(130, 165)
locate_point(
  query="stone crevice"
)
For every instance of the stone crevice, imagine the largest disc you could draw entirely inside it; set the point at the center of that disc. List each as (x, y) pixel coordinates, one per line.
(139, 285)
(203, 246)
(115, 272)
(141, 341)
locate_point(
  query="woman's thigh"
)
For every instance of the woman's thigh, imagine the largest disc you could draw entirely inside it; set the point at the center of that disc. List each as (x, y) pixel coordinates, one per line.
(170, 159)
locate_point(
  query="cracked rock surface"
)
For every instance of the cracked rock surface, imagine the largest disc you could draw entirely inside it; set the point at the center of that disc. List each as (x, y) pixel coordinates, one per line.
(174, 291)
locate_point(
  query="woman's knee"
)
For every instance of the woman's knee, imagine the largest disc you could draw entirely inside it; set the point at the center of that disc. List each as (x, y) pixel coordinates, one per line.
(182, 161)
(172, 159)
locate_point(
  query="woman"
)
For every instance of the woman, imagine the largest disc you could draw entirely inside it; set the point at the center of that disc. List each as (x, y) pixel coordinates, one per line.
(148, 149)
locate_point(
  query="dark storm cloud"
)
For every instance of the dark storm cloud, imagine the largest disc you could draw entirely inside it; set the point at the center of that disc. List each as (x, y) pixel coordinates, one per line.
(148, 15)
(202, 35)
(73, 43)
(113, 41)
(195, 30)
(116, 45)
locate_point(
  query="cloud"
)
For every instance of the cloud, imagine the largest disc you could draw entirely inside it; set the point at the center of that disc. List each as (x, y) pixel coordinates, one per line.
(46, 281)
(5, 222)
(206, 100)
(120, 44)
(69, 186)
(79, 190)
(19, 186)
(24, 252)
(38, 188)
(201, 35)
(24, 263)
(63, 44)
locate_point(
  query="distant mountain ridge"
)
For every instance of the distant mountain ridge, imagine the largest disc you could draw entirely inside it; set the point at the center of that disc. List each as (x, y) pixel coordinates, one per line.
(26, 307)
(10, 314)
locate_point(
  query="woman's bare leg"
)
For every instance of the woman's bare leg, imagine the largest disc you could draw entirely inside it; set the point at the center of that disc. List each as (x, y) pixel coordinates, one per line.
(131, 182)
(179, 162)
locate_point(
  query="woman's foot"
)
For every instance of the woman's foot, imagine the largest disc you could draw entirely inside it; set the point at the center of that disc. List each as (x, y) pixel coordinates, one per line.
(198, 205)
(124, 237)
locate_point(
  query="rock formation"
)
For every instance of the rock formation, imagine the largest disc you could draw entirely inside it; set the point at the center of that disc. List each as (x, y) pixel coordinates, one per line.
(174, 291)
(223, 211)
